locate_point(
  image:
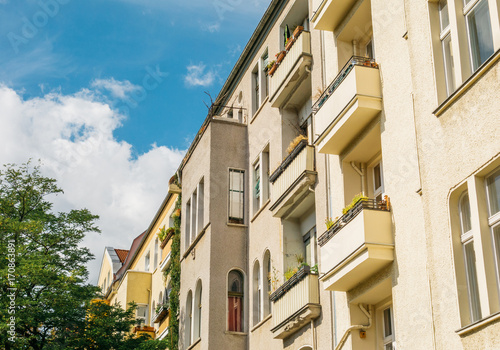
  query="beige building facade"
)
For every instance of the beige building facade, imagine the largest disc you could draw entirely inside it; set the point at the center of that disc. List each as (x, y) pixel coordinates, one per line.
(348, 195)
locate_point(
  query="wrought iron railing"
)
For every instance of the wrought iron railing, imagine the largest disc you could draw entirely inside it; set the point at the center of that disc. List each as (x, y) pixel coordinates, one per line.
(370, 204)
(353, 61)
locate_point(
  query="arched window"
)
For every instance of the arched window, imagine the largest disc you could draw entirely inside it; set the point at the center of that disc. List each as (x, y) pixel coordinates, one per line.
(469, 257)
(189, 319)
(168, 290)
(156, 254)
(267, 283)
(235, 301)
(256, 291)
(197, 312)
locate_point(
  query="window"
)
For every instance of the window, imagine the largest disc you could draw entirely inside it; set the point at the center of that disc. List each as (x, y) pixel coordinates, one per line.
(235, 299)
(388, 329)
(478, 21)
(109, 280)
(189, 320)
(493, 194)
(195, 213)
(260, 82)
(310, 247)
(141, 314)
(445, 37)
(261, 180)
(147, 262)
(257, 294)
(156, 253)
(378, 182)
(469, 257)
(267, 279)
(197, 312)
(236, 196)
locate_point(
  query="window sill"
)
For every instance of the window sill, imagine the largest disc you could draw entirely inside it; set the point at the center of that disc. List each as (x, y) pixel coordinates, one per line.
(478, 324)
(198, 237)
(236, 225)
(467, 84)
(236, 333)
(258, 325)
(194, 344)
(260, 210)
(260, 109)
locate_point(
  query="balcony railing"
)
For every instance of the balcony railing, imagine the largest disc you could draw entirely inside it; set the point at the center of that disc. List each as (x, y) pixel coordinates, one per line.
(295, 303)
(358, 245)
(289, 65)
(354, 61)
(161, 312)
(371, 204)
(291, 169)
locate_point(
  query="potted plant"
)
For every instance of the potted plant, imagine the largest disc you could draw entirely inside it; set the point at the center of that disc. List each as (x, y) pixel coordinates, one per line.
(279, 56)
(289, 43)
(297, 31)
(271, 67)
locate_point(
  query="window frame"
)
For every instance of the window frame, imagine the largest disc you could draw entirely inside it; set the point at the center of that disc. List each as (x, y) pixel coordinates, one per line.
(468, 9)
(234, 219)
(493, 223)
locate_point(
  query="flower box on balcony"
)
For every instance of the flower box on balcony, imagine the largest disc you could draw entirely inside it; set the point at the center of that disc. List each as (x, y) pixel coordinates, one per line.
(295, 303)
(161, 312)
(140, 329)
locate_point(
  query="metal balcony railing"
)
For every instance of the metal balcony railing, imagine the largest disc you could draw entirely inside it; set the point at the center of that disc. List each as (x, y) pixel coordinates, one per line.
(353, 61)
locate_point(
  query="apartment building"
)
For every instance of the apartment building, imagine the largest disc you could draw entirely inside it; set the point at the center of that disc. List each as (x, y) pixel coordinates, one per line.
(346, 196)
(138, 275)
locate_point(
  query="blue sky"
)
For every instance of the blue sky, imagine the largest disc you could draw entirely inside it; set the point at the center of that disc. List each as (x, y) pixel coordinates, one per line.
(109, 94)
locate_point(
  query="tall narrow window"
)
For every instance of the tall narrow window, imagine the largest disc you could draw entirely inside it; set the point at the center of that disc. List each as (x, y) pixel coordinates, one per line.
(257, 292)
(256, 187)
(156, 253)
(189, 320)
(378, 182)
(477, 14)
(445, 36)
(201, 205)
(256, 90)
(310, 247)
(493, 192)
(147, 260)
(188, 223)
(235, 300)
(236, 196)
(267, 280)
(388, 329)
(194, 226)
(264, 77)
(197, 312)
(469, 257)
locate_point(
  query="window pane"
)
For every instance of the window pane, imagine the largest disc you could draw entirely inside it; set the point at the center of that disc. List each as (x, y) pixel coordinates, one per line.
(480, 36)
(387, 323)
(496, 239)
(470, 266)
(493, 184)
(443, 14)
(465, 213)
(448, 65)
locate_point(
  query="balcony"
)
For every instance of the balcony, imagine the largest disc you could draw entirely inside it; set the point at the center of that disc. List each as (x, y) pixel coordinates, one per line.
(358, 245)
(161, 312)
(348, 105)
(286, 82)
(295, 303)
(291, 182)
(331, 13)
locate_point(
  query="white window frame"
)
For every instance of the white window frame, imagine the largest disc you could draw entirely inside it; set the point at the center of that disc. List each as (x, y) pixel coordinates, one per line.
(494, 222)
(390, 339)
(379, 191)
(467, 10)
(137, 317)
(240, 220)
(147, 261)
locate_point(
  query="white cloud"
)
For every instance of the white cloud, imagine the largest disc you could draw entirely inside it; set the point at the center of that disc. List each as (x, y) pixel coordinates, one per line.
(118, 89)
(212, 27)
(198, 76)
(73, 136)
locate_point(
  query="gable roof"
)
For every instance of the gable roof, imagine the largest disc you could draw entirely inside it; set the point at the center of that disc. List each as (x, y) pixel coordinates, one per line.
(122, 254)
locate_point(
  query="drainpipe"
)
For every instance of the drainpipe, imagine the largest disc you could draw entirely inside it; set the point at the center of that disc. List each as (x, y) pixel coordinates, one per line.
(314, 345)
(362, 173)
(358, 326)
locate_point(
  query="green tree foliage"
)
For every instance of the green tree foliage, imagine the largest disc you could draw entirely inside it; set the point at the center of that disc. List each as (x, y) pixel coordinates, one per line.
(44, 296)
(174, 270)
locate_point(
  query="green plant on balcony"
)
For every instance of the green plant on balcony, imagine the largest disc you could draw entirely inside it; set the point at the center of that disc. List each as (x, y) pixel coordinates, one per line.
(274, 279)
(295, 142)
(300, 263)
(357, 198)
(329, 222)
(165, 233)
